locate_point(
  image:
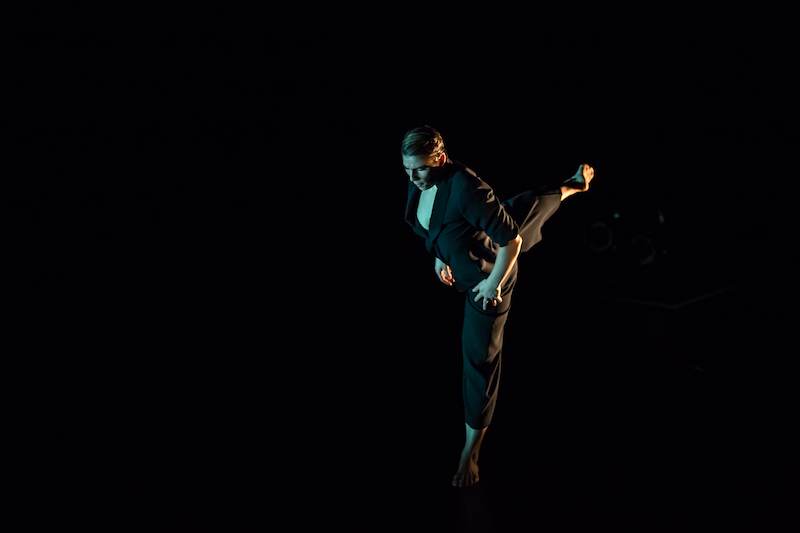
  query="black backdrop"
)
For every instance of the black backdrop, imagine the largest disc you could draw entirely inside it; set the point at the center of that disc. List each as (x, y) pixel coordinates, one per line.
(216, 243)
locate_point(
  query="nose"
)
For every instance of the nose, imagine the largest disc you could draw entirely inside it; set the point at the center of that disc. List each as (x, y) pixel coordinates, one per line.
(412, 174)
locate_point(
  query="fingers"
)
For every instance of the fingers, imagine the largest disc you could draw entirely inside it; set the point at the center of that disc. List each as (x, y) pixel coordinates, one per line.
(496, 300)
(494, 295)
(444, 273)
(446, 277)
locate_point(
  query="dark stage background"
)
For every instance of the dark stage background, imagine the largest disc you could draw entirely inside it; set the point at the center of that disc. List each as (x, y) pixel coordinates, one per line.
(226, 324)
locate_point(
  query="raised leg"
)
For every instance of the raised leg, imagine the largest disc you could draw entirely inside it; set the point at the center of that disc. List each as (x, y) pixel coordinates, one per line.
(531, 209)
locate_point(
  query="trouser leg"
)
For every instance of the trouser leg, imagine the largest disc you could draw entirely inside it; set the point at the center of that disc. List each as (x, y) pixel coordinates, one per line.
(482, 346)
(531, 210)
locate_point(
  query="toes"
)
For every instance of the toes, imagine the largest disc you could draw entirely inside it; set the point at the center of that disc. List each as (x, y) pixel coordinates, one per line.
(466, 481)
(588, 175)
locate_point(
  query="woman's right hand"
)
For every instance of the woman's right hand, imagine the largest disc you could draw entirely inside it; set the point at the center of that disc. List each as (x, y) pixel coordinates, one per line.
(443, 273)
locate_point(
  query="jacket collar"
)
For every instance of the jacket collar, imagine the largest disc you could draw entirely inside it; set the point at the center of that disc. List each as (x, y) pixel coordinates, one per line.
(439, 205)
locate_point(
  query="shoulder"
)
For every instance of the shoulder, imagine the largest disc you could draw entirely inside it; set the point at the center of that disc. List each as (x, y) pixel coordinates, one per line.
(464, 178)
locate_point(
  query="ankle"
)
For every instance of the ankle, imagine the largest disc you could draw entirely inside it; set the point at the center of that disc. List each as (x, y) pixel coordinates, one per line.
(566, 192)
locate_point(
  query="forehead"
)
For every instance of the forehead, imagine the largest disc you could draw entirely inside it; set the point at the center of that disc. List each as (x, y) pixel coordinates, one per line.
(415, 161)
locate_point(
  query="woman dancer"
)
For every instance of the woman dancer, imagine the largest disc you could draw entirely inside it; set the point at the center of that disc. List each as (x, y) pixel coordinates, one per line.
(475, 240)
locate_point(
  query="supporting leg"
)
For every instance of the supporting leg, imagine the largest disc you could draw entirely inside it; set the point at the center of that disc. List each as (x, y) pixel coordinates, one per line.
(482, 345)
(467, 473)
(482, 348)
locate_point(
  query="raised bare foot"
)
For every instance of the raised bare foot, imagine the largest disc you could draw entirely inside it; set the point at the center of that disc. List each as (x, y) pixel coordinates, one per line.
(568, 188)
(588, 175)
(467, 474)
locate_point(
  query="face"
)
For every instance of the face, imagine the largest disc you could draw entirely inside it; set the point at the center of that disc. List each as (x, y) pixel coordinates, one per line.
(423, 171)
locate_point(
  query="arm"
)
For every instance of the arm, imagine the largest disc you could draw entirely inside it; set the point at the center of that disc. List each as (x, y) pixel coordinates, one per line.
(483, 210)
(506, 257)
(489, 289)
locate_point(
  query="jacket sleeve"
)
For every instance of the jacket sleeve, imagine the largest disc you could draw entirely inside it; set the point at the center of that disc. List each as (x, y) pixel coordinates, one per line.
(481, 208)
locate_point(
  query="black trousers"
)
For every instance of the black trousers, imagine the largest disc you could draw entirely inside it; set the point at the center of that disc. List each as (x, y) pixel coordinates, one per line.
(482, 332)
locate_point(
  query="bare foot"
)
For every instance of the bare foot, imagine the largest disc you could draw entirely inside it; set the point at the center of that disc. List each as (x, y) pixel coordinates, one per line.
(588, 175)
(467, 473)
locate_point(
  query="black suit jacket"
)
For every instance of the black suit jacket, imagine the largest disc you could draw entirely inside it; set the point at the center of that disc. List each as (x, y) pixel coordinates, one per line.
(468, 224)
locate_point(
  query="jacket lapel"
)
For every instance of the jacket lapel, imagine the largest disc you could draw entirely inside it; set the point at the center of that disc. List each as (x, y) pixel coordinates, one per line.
(411, 203)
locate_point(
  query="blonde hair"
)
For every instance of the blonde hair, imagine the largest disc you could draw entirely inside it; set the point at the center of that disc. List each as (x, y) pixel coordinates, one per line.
(423, 141)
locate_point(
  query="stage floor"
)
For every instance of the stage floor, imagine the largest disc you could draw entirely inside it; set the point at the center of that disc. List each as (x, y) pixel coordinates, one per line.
(626, 421)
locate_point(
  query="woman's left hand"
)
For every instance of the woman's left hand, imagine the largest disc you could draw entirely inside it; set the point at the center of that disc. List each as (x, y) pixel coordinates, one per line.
(487, 293)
